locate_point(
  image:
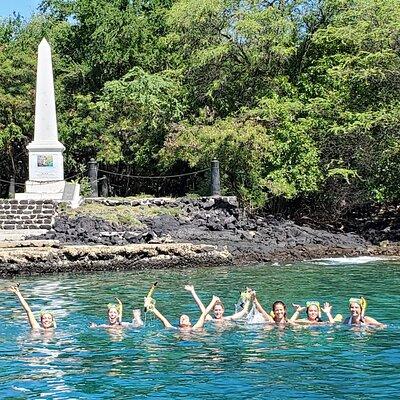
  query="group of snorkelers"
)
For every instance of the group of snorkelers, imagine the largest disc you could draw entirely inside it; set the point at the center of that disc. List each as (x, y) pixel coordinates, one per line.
(249, 307)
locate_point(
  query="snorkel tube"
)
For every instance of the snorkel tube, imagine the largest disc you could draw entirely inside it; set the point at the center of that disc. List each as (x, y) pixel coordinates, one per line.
(149, 302)
(16, 285)
(119, 308)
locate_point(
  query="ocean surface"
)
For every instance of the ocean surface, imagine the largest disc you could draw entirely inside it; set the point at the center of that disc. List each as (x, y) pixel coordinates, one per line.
(234, 361)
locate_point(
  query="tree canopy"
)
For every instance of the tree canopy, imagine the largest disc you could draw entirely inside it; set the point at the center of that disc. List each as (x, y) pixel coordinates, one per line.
(297, 99)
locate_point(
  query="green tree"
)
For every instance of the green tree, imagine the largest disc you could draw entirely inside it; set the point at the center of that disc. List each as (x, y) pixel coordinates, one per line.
(16, 99)
(264, 152)
(351, 82)
(231, 51)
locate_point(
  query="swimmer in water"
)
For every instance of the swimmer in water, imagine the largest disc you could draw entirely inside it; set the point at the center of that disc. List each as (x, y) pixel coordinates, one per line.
(114, 314)
(278, 315)
(219, 308)
(184, 320)
(313, 311)
(47, 321)
(357, 307)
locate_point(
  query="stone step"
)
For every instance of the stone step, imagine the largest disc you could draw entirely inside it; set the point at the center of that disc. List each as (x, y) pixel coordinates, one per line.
(15, 201)
(26, 227)
(19, 234)
(44, 219)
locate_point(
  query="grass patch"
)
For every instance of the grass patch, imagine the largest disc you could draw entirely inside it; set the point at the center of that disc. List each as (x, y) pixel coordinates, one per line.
(119, 214)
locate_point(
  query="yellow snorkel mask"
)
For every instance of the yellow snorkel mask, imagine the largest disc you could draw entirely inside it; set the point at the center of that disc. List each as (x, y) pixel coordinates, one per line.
(118, 307)
(362, 302)
(246, 295)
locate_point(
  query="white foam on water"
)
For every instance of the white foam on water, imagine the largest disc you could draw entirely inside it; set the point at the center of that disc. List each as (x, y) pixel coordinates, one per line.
(255, 317)
(349, 260)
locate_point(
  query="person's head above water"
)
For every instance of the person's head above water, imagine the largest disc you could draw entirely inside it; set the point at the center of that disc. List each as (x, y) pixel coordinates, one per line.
(313, 310)
(184, 321)
(279, 311)
(114, 312)
(357, 307)
(219, 310)
(113, 315)
(47, 320)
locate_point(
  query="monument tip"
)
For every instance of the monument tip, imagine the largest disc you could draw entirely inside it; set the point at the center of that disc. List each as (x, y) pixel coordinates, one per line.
(44, 42)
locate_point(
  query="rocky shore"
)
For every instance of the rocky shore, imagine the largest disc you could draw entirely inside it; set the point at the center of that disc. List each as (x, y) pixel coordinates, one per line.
(118, 234)
(40, 257)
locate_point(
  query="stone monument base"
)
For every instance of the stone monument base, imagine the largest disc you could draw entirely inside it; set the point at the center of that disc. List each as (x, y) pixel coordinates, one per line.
(55, 190)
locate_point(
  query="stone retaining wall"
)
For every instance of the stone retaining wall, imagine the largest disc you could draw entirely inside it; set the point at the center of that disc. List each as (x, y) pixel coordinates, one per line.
(26, 214)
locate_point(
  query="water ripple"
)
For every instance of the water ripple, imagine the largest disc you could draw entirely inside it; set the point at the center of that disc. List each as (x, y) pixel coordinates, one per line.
(233, 361)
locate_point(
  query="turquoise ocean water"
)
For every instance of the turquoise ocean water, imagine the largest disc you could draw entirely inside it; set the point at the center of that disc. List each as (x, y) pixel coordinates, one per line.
(231, 362)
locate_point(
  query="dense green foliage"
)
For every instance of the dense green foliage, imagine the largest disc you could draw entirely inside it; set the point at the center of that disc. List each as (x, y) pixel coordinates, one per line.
(296, 98)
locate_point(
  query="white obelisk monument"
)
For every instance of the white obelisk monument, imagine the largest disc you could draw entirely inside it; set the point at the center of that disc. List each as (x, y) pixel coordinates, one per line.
(46, 163)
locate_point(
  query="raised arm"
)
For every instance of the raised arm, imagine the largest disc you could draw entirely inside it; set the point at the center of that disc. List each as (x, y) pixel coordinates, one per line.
(31, 318)
(246, 308)
(190, 289)
(327, 309)
(260, 309)
(161, 317)
(241, 313)
(200, 323)
(296, 314)
(149, 304)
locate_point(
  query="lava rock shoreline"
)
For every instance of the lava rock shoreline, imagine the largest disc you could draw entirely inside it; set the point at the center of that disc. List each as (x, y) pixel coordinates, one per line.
(175, 233)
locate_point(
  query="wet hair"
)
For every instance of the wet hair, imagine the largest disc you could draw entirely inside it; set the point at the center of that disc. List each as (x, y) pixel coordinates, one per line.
(284, 306)
(219, 303)
(362, 311)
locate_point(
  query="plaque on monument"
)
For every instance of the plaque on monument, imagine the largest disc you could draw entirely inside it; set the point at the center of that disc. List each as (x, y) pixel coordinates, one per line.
(45, 166)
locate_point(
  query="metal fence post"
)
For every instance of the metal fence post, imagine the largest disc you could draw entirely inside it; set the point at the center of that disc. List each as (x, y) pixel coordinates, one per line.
(215, 179)
(93, 178)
